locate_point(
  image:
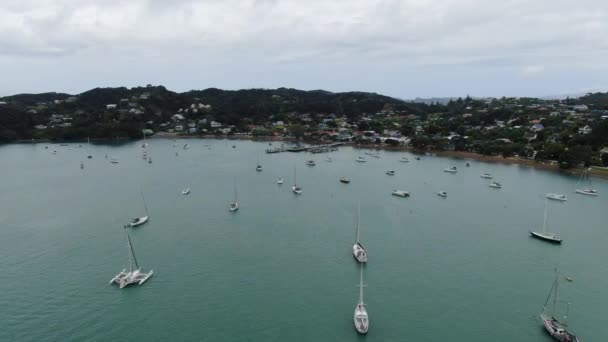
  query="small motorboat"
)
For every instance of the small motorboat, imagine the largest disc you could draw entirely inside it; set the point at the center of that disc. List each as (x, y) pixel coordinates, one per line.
(486, 176)
(400, 193)
(417, 158)
(442, 194)
(186, 191)
(495, 185)
(361, 159)
(556, 197)
(296, 189)
(89, 156)
(404, 160)
(233, 146)
(451, 169)
(311, 163)
(258, 168)
(345, 180)
(468, 164)
(280, 181)
(390, 172)
(113, 160)
(186, 146)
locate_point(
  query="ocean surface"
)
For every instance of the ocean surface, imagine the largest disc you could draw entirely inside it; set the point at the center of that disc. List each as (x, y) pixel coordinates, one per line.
(461, 268)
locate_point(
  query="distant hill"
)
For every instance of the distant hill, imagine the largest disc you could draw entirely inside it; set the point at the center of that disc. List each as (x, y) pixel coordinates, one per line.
(236, 107)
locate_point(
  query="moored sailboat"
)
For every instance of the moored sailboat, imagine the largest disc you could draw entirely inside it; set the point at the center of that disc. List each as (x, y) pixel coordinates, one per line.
(138, 221)
(587, 190)
(358, 250)
(234, 206)
(544, 235)
(361, 318)
(296, 188)
(557, 329)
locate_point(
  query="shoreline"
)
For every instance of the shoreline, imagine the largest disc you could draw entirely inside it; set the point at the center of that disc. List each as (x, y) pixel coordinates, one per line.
(543, 165)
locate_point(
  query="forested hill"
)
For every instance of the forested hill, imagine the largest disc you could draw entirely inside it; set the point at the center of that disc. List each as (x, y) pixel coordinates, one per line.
(91, 116)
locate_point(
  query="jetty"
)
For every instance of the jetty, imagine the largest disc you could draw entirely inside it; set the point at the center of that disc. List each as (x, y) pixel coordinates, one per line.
(301, 148)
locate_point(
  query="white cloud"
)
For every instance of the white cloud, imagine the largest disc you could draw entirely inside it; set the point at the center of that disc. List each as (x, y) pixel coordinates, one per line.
(487, 35)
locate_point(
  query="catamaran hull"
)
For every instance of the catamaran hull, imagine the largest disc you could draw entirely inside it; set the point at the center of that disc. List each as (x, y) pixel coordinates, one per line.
(545, 238)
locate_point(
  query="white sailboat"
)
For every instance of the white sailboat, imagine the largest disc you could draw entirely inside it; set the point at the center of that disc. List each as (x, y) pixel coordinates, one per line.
(259, 167)
(358, 250)
(442, 194)
(544, 235)
(88, 147)
(133, 276)
(186, 191)
(138, 221)
(144, 144)
(296, 188)
(486, 175)
(495, 185)
(234, 206)
(558, 330)
(280, 181)
(400, 193)
(361, 318)
(556, 197)
(588, 190)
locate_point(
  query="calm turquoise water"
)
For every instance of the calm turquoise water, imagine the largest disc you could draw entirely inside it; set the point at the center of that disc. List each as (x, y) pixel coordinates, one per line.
(281, 268)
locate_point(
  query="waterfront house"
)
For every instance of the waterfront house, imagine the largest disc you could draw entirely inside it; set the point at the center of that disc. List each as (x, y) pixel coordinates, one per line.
(584, 130)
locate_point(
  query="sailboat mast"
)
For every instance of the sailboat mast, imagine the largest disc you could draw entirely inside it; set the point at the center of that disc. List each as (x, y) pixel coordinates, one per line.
(131, 252)
(358, 219)
(555, 293)
(144, 199)
(236, 199)
(295, 179)
(545, 218)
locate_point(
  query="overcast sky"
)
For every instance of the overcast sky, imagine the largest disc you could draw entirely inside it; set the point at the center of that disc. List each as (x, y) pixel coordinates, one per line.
(404, 48)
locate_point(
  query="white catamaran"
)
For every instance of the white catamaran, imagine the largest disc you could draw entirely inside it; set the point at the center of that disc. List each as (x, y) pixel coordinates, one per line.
(133, 276)
(361, 318)
(138, 221)
(544, 235)
(558, 330)
(588, 190)
(358, 250)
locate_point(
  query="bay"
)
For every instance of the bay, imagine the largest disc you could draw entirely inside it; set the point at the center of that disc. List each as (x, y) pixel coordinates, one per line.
(281, 268)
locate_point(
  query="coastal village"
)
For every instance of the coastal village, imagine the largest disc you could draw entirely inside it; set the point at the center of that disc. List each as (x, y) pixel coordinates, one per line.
(568, 131)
